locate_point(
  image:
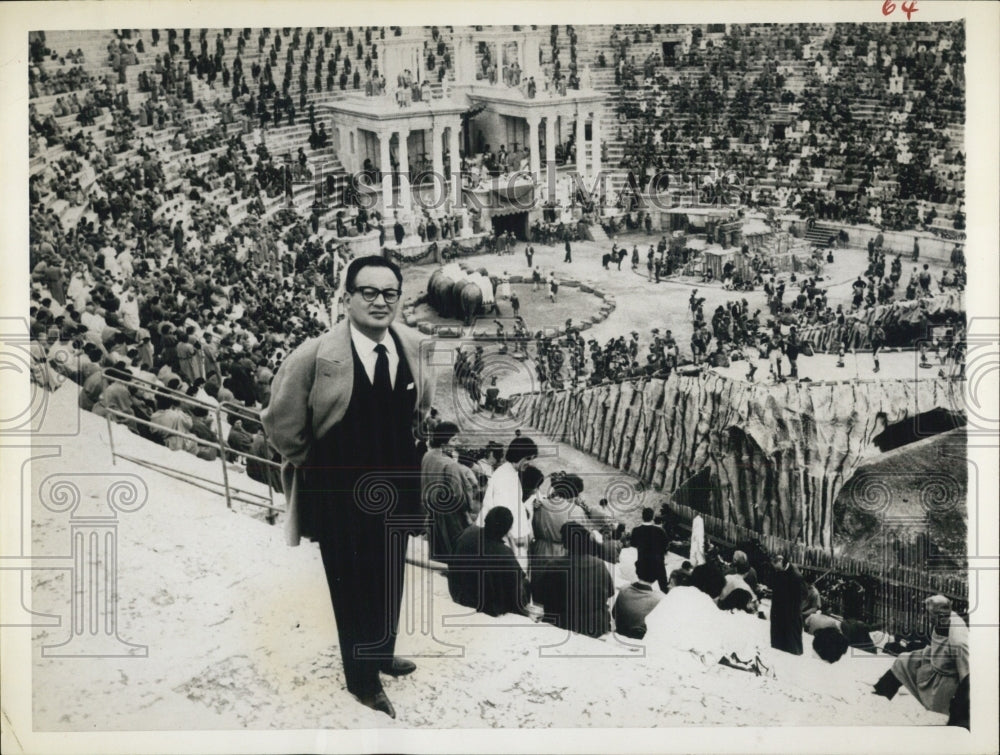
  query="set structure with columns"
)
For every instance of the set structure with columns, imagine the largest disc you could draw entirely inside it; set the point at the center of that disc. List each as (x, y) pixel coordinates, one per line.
(386, 143)
(398, 146)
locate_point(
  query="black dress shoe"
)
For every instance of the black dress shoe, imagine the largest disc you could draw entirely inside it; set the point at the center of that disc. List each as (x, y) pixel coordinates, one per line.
(398, 667)
(379, 702)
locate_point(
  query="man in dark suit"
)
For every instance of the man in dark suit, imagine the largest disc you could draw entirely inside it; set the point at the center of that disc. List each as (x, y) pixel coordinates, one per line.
(650, 541)
(342, 415)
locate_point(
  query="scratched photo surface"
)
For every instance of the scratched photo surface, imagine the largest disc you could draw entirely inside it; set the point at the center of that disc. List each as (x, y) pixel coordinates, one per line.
(679, 421)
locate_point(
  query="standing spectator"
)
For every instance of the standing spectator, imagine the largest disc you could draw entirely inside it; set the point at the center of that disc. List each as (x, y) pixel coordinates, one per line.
(504, 489)
(877, 341)
(651, 542)
(787, 588)
(343, 432)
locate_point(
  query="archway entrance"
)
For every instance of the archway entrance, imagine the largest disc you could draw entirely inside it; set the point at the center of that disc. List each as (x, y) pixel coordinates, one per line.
(515, 222)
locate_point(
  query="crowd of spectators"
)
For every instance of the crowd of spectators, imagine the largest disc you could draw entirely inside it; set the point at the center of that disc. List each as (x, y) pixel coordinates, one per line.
(846, 122)
(144, 300)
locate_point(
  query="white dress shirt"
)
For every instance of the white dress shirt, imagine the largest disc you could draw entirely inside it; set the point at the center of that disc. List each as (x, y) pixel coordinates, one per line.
(366, 352)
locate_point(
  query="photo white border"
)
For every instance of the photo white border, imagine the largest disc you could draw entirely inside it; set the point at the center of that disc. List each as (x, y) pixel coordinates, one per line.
(983, 232)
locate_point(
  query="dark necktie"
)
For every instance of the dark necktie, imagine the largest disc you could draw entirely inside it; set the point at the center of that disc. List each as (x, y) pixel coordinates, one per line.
(382, 382)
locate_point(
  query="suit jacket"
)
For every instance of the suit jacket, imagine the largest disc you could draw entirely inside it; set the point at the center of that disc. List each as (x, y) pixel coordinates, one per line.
(311, 392)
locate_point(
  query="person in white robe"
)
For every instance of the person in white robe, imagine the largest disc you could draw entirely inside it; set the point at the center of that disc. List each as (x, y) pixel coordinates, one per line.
(504, 489)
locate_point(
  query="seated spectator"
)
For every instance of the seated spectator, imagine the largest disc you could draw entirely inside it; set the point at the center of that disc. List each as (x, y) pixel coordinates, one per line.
(574, 589)
(935, 674)
(635, 602)
(681, 577)
(811, 600)
(239, 439)
(832, 636)
(172, 420)
(117, 399)
(551, 512)
(448, 492)
(737, 594)
(258, 470)
(201, 427)
(601, 517)
(484, 573)
(93, 387)
(741, 566)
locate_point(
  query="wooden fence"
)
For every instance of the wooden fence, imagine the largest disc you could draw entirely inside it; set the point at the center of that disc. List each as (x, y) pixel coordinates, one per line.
(889, 596)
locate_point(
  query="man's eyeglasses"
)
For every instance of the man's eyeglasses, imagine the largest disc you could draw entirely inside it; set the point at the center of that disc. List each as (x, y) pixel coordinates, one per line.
(370, 294)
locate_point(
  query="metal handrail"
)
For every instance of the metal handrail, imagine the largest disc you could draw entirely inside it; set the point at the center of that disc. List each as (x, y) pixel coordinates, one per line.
(218, 443)
(244, 412)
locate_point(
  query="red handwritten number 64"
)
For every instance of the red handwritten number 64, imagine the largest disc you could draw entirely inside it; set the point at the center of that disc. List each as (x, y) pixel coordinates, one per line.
(909, 8)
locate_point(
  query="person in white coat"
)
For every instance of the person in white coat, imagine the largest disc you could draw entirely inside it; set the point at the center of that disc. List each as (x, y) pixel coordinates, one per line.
(504, 489)
(697, 555)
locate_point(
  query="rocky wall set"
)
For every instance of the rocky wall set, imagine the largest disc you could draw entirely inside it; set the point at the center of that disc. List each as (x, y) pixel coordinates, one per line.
(903, 323)
(777, 454)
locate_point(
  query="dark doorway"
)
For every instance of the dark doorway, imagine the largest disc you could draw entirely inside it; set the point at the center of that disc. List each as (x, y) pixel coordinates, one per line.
(697, 492)
(916, 428)
(670, 52)
(515, 222)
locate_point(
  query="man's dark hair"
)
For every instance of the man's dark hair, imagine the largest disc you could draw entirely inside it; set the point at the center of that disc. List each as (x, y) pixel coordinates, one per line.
(441, 434)
(645, 571)
(498, 522)
(372, 260)
(708, 579)
(647, 514)
(829, 644)
(521, 448)
(531, 479)
(739, 599)
(568, 486)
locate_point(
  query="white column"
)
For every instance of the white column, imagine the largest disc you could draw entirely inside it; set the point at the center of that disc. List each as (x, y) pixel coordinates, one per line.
(595, 143)
(456, 164)
(437, 162)
(581, 147)
(343, 151)
(550, 139)
(437, 158)
(533, 162)
(404, 171)
(385, 165)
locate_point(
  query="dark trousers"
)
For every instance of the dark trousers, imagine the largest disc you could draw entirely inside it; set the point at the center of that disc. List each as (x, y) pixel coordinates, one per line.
(364, 559)
(655, 570)
(888, 685)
